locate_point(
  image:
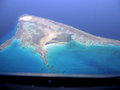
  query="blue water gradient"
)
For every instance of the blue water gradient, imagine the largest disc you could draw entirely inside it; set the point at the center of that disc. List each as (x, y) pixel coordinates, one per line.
(14, 58)
(8, 35)
(74, 58)
(98, 17)
(71, 58)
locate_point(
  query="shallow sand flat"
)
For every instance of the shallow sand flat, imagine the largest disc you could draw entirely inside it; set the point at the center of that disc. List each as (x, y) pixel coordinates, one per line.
(52, 45)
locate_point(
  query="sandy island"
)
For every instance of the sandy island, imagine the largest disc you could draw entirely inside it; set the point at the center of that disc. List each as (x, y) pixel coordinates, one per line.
(40, 32)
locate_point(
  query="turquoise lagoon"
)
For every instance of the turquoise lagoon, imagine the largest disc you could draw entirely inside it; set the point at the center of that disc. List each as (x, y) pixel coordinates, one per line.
(70, 58)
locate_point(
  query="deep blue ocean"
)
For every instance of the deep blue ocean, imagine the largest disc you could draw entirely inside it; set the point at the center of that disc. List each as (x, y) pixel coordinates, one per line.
(98, 17)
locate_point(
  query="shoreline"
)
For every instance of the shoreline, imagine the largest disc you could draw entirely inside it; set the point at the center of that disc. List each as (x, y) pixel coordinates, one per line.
(6, 43)
(54, 44)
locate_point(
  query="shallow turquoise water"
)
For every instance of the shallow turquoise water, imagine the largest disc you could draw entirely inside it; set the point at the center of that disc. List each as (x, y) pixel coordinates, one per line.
(16, 59)
(71, 58)
(80, 59)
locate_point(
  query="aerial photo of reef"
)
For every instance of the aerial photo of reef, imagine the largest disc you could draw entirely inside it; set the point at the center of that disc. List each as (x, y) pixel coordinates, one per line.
(57, 48)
